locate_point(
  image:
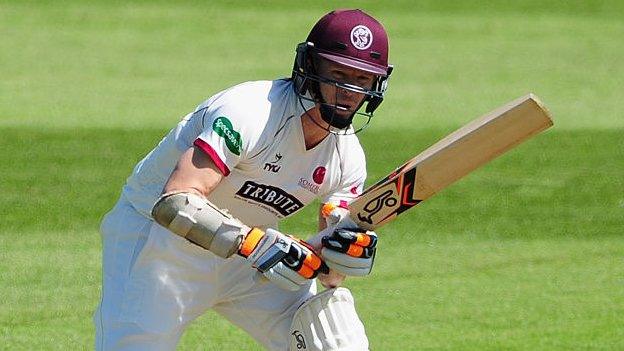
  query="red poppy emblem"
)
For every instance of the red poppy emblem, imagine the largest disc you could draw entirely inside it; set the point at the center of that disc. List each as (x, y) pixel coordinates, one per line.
(319, 175)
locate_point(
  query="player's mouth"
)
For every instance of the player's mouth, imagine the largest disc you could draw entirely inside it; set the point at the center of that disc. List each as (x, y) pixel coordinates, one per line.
(343, 108)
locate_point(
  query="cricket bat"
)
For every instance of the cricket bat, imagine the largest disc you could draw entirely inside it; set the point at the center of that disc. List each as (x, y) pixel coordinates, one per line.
(450, 159)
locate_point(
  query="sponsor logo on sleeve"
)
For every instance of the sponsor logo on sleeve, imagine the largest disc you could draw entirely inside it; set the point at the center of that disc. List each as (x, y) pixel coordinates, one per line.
(223, 127)
(272, 197)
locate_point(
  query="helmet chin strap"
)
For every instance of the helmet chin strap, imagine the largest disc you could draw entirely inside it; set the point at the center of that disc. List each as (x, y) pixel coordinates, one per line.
(332, 128)
(328, 114)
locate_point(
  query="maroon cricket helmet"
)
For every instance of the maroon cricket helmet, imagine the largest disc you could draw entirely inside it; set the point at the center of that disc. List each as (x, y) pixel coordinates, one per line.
(352, 38)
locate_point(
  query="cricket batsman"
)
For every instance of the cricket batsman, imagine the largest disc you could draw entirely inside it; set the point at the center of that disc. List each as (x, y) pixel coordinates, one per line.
(196, 225)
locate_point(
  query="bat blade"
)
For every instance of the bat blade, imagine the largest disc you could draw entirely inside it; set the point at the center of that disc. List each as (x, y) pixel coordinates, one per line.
(450, 159)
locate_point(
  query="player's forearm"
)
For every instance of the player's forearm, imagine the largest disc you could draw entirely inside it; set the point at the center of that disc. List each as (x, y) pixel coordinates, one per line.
(285, 260)
(193, 217)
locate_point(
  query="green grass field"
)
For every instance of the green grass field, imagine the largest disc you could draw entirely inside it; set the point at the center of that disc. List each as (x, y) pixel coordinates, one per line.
(527, 253)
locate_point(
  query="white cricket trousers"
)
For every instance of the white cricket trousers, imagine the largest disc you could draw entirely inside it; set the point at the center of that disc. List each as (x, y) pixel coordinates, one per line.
(155, 283)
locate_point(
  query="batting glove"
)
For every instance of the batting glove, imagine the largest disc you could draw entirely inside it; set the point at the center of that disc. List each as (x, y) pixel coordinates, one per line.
(350, 251)
(344, 247)
(283, 259)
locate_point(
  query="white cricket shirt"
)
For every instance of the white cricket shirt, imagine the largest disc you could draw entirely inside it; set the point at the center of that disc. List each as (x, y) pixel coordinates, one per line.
(253, 133)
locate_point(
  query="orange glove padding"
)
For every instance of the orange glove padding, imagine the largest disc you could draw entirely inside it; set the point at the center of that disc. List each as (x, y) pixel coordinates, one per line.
(283, 259)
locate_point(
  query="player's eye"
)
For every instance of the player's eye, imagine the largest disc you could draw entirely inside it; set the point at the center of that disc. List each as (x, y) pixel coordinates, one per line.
(364, 80)
(338, 75)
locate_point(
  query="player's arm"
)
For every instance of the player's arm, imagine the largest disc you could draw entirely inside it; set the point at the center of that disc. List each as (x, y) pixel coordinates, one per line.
(344, 247)
(195, 173)
(333, 278)
(184, 210)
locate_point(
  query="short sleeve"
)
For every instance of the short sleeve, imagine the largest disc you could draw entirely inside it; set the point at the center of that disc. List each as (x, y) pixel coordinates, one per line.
(227, 133)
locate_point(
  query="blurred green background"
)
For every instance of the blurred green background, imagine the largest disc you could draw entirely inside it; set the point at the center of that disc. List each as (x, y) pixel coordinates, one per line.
(524, 254)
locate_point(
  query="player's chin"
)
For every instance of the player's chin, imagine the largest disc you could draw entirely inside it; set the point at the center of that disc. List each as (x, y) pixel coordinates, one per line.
(331, 280)
(345, 114)
(342, 115)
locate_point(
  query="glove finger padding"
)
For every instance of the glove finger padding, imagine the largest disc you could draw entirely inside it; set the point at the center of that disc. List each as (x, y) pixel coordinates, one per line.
(302, 259)
(328, 322)
(285, 260)
(350, 252)
(352, 242)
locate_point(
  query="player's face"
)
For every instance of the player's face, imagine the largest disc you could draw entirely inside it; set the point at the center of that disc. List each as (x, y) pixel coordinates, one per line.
(345, 98)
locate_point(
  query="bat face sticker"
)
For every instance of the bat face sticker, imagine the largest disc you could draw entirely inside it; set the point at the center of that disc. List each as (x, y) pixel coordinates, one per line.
(388, 200)
(385, 199)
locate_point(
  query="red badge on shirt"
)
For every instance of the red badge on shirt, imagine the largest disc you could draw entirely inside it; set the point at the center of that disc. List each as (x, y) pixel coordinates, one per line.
(319, 175)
